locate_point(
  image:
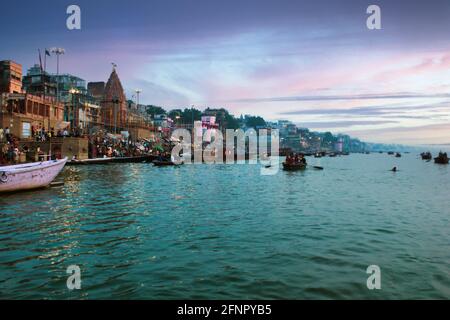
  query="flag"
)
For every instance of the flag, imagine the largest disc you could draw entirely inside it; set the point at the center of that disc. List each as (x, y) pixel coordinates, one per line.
(47, 52)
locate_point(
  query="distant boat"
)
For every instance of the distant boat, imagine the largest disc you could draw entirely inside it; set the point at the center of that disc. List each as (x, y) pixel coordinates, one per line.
(426, 156)
(442, 158)
(30, 175)
(398, 155)
(390, 153)
(318, 155)
(332, 155)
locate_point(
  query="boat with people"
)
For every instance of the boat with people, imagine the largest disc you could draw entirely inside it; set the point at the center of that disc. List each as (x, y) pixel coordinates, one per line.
(30, 175)
(293, 166)
(294, 162)
(442, 158)
(426, 155)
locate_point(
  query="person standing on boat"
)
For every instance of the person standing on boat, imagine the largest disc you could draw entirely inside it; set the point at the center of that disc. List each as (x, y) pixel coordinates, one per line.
(302, 159)
(7, 134)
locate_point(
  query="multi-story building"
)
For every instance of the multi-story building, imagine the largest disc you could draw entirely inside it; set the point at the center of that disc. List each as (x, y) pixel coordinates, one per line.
(81, 110)
(96, 90)
(25, 112)
(11, 77)
(38, 82)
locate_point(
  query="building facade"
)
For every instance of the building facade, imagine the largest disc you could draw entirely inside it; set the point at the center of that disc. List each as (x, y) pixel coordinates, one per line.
(10, 77)
(24, 112)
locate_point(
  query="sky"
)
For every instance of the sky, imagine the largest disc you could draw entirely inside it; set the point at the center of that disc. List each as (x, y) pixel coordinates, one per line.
(312, 62)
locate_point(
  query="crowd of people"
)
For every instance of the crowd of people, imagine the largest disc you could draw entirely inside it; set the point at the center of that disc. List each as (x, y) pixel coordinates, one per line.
(295, 158)
(101, 144)
(9, 152)
(106, 145)
(41, 134)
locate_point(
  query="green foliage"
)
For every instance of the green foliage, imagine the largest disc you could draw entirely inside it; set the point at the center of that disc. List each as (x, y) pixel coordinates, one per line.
(154, 110)
(253, 122)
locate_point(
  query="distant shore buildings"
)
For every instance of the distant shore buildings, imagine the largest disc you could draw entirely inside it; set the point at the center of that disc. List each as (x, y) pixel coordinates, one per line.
(39, 100)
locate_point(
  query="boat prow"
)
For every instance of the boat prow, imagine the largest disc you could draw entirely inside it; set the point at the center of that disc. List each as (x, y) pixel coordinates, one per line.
(30, 175)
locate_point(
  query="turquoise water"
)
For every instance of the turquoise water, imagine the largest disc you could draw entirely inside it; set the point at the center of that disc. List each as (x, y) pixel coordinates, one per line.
(225, 231)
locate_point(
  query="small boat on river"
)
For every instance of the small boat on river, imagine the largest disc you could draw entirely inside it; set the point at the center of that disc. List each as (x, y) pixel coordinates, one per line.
(398, 155)
(30, 175)
(426, 156)
(294, 166)
(165, 163)
(134, 159)
(76, 162)
(442, 158)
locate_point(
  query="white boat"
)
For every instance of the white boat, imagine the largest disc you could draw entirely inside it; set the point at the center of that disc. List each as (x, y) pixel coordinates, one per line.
(30, 175)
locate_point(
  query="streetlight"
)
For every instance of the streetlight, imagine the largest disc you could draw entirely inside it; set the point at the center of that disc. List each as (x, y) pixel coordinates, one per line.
(138, 91)
(58, 52)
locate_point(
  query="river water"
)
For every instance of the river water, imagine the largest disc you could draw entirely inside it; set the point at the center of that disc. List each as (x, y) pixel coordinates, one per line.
(228, 232)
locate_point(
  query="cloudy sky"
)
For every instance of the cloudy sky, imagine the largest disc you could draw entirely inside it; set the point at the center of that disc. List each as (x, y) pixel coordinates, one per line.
(312, 62)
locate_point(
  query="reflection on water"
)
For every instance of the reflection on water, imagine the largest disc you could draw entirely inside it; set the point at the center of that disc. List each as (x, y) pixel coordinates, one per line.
(223, 231)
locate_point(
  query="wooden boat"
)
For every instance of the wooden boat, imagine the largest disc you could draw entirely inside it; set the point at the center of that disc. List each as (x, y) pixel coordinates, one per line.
(165, 163)
(30, 175)
(442, 158)
(134, 159)
(90, 161)
(293, 166)
(426, 156)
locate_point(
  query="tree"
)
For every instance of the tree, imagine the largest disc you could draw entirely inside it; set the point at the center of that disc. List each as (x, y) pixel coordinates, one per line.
(173, 114)
(154, 110)
(189, 115)
(253, 122)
